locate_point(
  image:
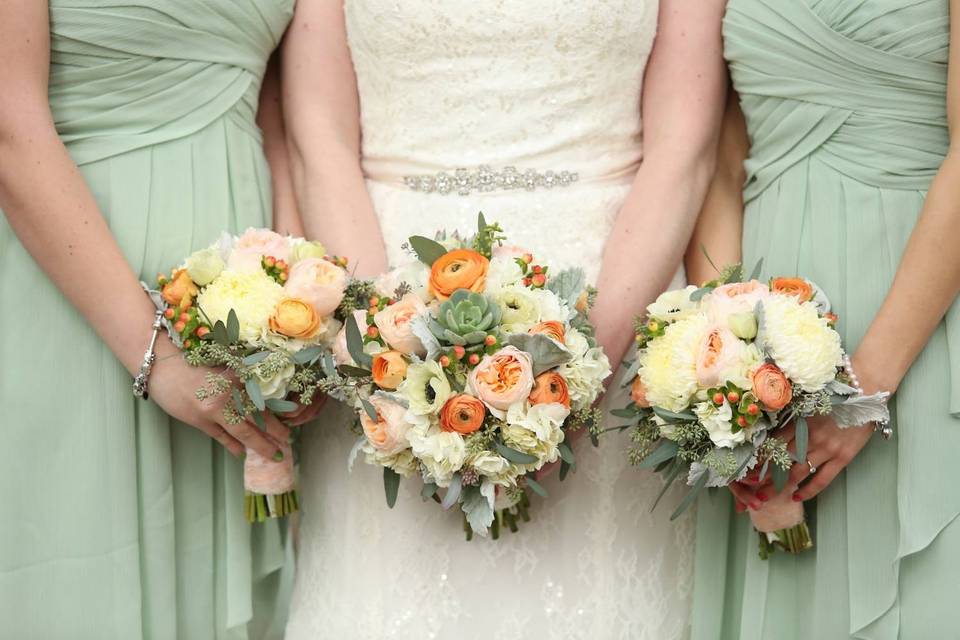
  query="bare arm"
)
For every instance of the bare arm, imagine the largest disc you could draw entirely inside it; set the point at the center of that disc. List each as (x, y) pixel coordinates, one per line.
(683, 98)
(720, 225)
(51, 209)
(286, 218)
(322, 112)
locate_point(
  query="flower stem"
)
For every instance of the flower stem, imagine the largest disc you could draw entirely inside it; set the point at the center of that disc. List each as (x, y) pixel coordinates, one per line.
(258, 507)
(795, 539)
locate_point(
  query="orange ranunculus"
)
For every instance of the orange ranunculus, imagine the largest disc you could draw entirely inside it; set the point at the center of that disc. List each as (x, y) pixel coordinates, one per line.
(463, 414)
(389, 369)
(458, 269)
(180, 288)
(638, 393)
(792, 287)
(771, 387)
(295, 318)
(551, 329)
(550, 387)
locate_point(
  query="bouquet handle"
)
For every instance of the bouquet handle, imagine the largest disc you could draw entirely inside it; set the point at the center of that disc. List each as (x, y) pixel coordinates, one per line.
(781, 523)
(270, 486)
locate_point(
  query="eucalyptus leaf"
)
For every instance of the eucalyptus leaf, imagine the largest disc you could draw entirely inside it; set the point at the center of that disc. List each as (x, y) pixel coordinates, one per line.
(670, 416)
(428, 491)
(624, 413)
(675, 469)
(567, 453)
(801, 438)
(355, 343)
(254, 358)
(429, 251)
(667, 449)
(256, 395)
(220, 334)
(546, 353)
(697, 296)
(370, 410)
(690, 497)
(565, 468)
(307, 354)
(453, 492)
(630, 372)
(238, 403)
(391, 485)
(536, 486)
(780, 477)
(478, 508)
(568, 285)
(353, 372)
(259, 421)
(757, 270)
(513, 455)
(328, 364)
(281, 406)
(233, 327)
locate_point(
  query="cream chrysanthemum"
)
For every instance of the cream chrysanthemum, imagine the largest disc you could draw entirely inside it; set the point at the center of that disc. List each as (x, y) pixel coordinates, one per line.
(668, 366)
(253, 296)
(805, 348)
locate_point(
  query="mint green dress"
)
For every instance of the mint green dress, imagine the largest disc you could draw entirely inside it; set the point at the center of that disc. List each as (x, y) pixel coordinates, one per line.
(845, 105)
(117, 522)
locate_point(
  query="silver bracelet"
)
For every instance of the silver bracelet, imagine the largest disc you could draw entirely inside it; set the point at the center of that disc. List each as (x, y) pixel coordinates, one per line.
(149, 357)
(881, 426)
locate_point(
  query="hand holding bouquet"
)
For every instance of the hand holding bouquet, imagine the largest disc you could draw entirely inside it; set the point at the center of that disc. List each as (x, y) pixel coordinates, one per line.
(262, 309)
(720, 369)
(469, 368)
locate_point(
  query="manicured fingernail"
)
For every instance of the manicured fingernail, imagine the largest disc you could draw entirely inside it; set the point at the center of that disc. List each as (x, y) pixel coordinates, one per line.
(762, 496)
(756, 505)
(278, 456)
(797, 497)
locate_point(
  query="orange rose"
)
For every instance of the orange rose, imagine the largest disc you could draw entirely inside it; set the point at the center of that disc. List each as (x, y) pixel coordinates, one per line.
(458, 269)
(550, 387)
(638, 393)
(792, 287)
(180, 289)
(389, 369)
(295, 318)
(771, 387)
(463, 414)
(552, 329)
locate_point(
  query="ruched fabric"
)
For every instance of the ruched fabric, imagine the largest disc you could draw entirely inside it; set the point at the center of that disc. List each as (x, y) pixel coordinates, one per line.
(120, 523)
(845, 102)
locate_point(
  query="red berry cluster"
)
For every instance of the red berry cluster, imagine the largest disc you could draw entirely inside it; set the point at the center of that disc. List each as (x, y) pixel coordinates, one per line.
(534, 275)
(746, 407)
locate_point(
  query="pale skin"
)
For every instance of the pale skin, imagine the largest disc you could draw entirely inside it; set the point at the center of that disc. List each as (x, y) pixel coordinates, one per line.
(62, 227)
(683, 96)
(926, 283)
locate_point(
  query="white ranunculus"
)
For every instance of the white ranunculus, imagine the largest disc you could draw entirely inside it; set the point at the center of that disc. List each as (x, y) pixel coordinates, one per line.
(502, 272)
(673, 305)
(205, 265)
(801, 342)
(586, 372)
(274, 387)
(718, 421)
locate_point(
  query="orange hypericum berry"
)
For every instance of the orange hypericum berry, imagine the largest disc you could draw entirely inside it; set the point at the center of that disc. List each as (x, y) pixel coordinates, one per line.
(184, 317)
(539, 280)
(202, 331)
(187, 344)
(373, 332)
(459, 352)
(180, 326)
(374, 301)
(753, 409)
(733, 397)
(342, 261)
(718, 398)
(161, 279)
(283, 276)
(281, 265)
(527, 258)
(537, 268)
(490, 340)
(473, 359)
(169, 313)
(444, 361)
(270, 261)
(742, 421)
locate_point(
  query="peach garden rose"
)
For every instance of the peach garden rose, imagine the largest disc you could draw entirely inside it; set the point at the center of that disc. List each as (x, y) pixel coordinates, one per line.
(394, 324)
(504, 378)
(319, 282)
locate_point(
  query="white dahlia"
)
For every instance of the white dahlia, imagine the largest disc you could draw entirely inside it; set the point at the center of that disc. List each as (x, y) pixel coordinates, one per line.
(800, 342)
(253, 296)
(668, 366)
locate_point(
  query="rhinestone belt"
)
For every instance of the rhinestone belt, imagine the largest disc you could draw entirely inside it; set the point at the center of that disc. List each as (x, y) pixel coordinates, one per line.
(484, 179)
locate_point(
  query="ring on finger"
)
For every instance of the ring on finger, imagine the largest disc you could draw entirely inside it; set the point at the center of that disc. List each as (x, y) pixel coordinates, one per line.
(813, 469)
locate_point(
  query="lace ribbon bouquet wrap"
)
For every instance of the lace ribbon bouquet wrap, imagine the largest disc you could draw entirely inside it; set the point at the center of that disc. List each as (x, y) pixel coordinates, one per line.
(720, 369)
(260, 309)
(469, 369)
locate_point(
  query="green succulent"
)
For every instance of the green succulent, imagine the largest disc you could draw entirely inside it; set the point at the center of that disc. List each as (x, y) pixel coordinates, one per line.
(466, 318)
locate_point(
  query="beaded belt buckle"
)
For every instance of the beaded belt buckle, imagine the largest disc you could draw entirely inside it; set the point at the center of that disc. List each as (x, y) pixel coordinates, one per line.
(484, 179)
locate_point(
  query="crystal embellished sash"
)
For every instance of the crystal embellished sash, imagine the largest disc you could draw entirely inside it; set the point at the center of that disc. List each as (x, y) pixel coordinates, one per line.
(484, 179)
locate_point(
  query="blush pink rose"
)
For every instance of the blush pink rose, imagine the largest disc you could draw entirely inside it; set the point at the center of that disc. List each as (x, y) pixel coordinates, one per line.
(319, 282)
(388, 434)
(394, 324)
(719, 356)
(341, 355)
(503, 378)
(251, 247)
(738, 297)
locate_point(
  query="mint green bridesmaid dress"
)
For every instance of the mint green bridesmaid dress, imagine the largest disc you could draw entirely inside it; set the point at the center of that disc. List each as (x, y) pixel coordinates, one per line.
(845, 103)
(117, 522)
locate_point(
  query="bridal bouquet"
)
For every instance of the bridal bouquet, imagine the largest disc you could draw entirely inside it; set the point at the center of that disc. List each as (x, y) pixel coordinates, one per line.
(720, 369)
(469, 368)
(262, 308)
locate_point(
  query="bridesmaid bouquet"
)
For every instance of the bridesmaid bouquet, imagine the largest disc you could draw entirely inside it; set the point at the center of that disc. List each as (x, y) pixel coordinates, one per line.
(469, 368)
(720, 369)
(262, 308)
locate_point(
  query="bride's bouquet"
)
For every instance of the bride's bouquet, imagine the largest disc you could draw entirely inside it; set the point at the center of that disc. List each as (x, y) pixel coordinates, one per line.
(720, 369)
(469, 369)
(261, 308)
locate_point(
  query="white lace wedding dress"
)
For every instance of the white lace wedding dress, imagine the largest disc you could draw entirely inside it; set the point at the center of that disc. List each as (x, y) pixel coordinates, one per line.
(541, 85)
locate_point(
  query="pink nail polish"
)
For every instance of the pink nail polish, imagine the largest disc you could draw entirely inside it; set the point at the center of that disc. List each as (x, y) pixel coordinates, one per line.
(762, 497)
(797, 498)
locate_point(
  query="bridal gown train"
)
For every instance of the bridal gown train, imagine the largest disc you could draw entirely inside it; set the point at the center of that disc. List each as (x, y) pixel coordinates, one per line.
(546, 86)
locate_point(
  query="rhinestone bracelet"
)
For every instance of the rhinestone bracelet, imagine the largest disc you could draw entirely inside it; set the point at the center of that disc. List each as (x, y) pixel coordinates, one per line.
(149, 357)
(881, 426)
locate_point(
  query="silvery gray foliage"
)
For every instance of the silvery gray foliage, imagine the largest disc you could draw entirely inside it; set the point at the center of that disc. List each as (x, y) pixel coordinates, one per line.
(568, 285)
(546, 353)
(420, 326)
(859, 410)
(477, 504)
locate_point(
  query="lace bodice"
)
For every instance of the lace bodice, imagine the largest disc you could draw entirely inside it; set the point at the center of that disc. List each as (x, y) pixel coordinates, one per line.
(548, 85)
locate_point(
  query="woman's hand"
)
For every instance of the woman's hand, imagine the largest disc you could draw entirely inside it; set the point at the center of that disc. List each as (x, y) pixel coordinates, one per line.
(305, 413)
(173, 386)
(829, 450)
